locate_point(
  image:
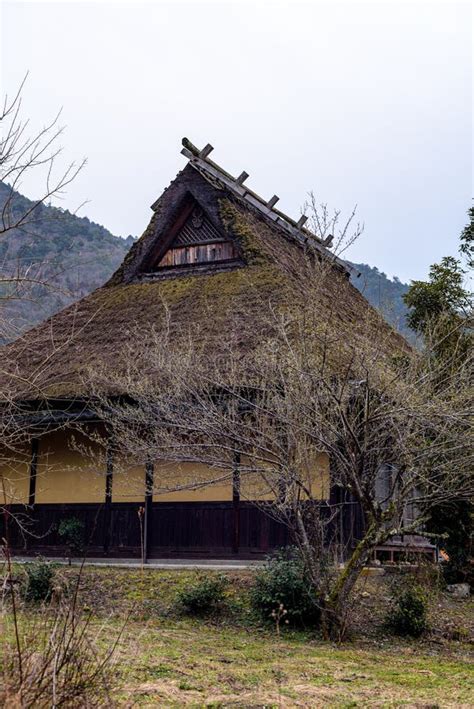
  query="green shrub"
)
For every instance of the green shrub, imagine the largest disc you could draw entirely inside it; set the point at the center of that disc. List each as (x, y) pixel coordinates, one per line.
(284, 582)
(71, 530)
(204, 597)
(408, 616)
(39, 581)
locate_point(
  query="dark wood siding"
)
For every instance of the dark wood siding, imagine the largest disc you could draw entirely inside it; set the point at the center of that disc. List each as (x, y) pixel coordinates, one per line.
(196, 529)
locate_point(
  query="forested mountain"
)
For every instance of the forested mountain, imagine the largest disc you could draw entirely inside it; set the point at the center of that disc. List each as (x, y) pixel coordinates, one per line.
(385, 294)
(67, 256)
(63, 256)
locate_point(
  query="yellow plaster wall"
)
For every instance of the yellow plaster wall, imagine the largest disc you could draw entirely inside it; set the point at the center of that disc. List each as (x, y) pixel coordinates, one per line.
(15, 474)
(173, 475)
(256, 486)
(314, 473)
(317, 476)
(69, 475)
(128, 484)
(253, 486)
(66, 474)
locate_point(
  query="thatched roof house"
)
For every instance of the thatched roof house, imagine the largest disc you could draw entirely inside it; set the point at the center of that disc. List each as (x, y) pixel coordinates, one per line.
(212, 247)
(213, 254)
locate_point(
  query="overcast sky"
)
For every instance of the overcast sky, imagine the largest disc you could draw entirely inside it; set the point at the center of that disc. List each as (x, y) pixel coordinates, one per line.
(367, 103)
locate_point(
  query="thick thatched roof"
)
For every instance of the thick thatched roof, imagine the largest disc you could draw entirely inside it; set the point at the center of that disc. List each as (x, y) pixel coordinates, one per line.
(210, 301)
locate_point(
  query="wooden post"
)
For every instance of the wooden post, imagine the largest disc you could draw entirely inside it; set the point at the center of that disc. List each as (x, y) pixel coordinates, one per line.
(205, 151)
(108, 499)
(148, 522)
(242, 177)
(236, 504)
(33, 471)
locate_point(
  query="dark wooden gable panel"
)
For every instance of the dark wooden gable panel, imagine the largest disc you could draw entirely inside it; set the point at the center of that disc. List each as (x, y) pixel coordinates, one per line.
(171, 213)
(193, 239)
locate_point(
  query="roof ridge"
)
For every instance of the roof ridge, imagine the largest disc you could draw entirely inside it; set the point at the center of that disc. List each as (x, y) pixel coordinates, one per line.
(199, 160)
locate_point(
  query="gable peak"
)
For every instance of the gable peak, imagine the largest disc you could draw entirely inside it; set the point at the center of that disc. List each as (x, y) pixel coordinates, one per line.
(199, 159)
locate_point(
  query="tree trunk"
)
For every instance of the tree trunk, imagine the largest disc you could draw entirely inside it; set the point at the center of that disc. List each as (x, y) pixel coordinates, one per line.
(307, 552)
(333, 614)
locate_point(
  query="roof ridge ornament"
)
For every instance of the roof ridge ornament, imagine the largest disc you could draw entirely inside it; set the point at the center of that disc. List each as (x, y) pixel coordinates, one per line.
(199, 158)
(206, 151)
(242, 177)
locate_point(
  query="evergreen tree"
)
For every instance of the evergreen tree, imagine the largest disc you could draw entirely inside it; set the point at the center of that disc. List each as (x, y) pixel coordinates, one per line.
(441, 312)
(467, 239)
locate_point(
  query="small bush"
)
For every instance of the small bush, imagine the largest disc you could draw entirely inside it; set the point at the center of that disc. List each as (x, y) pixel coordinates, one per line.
(408, 615)
(283, 582)
(71, 530)
(64, 663)
(39, 582)
(204, 597)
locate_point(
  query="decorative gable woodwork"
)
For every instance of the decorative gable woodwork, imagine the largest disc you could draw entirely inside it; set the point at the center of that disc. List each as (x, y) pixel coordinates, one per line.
(197, 229)
(193, 239)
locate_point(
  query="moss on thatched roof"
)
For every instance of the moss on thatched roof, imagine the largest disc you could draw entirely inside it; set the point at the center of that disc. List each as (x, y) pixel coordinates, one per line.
(56, 358)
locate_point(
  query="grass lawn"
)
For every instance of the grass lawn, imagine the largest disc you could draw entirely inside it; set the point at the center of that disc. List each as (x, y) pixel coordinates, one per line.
(166, 659)
(191, 663)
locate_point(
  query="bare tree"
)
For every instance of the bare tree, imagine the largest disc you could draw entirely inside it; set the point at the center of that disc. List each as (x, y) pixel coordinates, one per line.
(303, 392)
(51, 660)
(23, 154)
